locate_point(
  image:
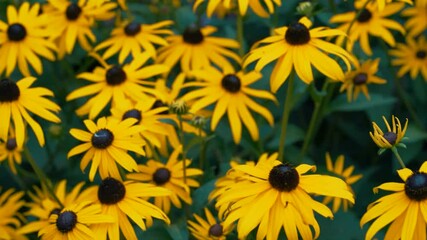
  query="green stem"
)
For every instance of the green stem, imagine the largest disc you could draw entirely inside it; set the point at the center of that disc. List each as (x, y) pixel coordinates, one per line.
(333, 6)
(285, 115)
(240, 39)
(202, 156)
(184, 151)
(399, 159)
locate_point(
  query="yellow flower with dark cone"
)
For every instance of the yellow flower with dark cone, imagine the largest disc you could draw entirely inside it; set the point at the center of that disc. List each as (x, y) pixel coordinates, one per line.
(124, 201)
(382, 3)
(357, 80)
(255, 5)
(132, 38)
(412, 57)
(209, 229)
(75, 222)
(17, 99)
(346, 175)
(169, 176)
(115, 83)
(405, 209)
(417, 22)
(231, 94)
(72, 21)
(392, 137)
(281, 190)
(106, 144)
(369, 22)
(10, 151)
(22, 40)
(298, 47)
(196, 49)
(10, 203)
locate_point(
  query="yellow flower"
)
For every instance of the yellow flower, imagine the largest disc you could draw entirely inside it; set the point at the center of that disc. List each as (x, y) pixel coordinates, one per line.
(16, 100)
(405, 209)
(106, 144)
(231, 94)
(169, 176)
(357, 81)
(274, 195)
(10, 203)
(196, 49)
(210, 229)
(134, 38)
(412, 57)
(392, 137)
(371, 21)
(345, 174)
(417, 21)
(297, 47)
(22, 40)
(382, 3)
(255, 5)
(9, 150)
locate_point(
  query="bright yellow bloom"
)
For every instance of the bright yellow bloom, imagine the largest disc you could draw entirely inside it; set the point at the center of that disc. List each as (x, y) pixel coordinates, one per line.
(382, 3)
(417, 21)
(255, 5)
(405, 209)
(9, 150)
(210, 229)
(10, 203)
(412, 57)
(392, 137)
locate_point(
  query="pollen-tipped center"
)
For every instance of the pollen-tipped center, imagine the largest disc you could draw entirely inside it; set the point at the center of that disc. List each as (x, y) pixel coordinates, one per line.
(421, 54)
(161, 176)
(102, 138)
(111, 191)
(66, 221)
(73, 11)
(231, 83)
(115, 76)
(9, 91)
(360, 79)
(132, 29)
(297, 34)
(391, 137)
(364, 16)
(216, 230)
(416, 186)
(283, 177)
(133, 113)
(16, 32)
(192, 35)
(158, 104)
(11, 144)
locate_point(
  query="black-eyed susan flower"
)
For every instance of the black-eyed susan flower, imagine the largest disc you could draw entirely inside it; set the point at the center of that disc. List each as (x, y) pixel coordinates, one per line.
(382, 3)
(412, 57)
(124, 201)
(112, 83)
(209, 229)
(271, 190)
(106, 144)
(196, 49)
(357, 80)
(10, 151)
(23, 40)
(392, 137)
(169, 176)
(132, 38)
(257, 6)
(417, 15)
(345, 174)
(298, 47)
(10, 203)
(231, 94)
(370, 21)
(75, 221)
(17, 99)
(405, 209)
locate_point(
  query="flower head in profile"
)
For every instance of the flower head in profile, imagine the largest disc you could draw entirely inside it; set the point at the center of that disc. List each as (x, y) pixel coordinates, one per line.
(23, 39)
(357, 80)
(10, 151)
(369, 22)
(17, 99)
(298, 47)
(405, 208)
(171, 177)
(133, 38)
(196, 49)
(270, 190)
(392, 137)
(417, 22)
(411, 57)
(257, 6)
(231, 93)
(346, 175)
(106, 144)
(209, 229)
(10, 203)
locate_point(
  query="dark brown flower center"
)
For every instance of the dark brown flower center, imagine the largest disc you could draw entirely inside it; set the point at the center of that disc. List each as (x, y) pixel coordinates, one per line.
(161, 176)
(115, 76)
(360, 79)
(391, 137)
(216, 230)
(102, 138)
(133, 113)
(111, 191)
(9, 91)
(132, 29)
(283, 177)
(56, 211)
(158, 104)
(11, 144)
(73, 11)
(416, 186)
(66, 221)
(231, 83)
(421, 54)
(297, 34)
(192, 35)
(16, 32)
(364, 16)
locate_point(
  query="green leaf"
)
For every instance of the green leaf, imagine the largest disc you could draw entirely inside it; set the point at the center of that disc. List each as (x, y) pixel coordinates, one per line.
(361, 103)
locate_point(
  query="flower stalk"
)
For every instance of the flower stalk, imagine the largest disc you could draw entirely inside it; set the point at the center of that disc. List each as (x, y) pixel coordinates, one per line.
(285, 116)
